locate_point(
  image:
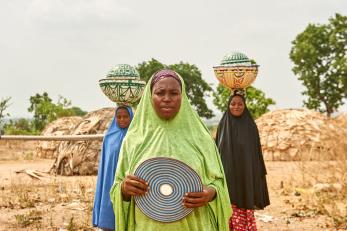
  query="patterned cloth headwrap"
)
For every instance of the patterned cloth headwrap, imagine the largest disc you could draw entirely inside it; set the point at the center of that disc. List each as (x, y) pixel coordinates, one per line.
(165, 73)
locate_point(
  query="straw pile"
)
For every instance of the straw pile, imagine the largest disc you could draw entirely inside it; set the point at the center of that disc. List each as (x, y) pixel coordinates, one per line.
(61, 126)
(300, 134)
(81, 157)
(75, 157)
(342, 120)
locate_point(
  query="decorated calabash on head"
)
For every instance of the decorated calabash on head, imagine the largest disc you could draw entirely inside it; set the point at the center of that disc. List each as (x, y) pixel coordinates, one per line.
(236, 71)
(123, 85)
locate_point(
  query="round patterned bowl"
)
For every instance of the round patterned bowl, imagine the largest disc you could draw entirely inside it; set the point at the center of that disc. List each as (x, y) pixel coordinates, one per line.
(236, 71)
(123, 85)
(122, 90)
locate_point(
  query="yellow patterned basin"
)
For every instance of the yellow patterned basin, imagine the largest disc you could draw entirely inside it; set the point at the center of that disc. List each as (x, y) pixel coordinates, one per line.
(236, 71)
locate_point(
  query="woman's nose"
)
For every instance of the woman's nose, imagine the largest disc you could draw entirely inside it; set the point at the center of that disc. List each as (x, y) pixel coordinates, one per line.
(167, 97)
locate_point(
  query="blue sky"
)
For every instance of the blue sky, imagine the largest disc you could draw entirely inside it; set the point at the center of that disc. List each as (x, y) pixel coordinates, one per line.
(64, 47)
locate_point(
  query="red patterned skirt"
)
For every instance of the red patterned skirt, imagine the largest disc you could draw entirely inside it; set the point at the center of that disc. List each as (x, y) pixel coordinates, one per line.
(242, 220)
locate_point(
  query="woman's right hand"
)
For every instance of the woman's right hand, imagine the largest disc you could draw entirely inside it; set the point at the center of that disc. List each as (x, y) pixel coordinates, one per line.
(133, 186)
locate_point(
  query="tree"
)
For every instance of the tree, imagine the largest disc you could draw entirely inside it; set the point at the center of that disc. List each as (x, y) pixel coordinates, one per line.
(256, 101)
(196, 87)
(4, 104)
(46, 111)
(20, 127)
(147, 69)
(77, 111)
(319, 55)
(43, 109)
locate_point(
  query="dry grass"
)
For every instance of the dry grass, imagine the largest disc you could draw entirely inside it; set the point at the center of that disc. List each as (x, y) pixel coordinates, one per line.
(323, 187)
(33, 217)
(17, 150)
(65, 203)
(57, 203)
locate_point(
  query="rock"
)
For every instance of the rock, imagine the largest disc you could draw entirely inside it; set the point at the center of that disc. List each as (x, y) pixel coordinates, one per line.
(321, 187)
(263, 217)
(337, 187)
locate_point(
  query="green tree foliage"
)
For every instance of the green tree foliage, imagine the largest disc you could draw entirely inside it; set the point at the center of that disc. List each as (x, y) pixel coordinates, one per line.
(43, 109)
(77, 111)
(146, 69)
(319, 55)
(256, 101)
(20, 127)
(46, 111)
(196, 87)
(4, 104)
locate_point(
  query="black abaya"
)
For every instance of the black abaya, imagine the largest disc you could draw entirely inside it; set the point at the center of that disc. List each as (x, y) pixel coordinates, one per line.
(239, 145)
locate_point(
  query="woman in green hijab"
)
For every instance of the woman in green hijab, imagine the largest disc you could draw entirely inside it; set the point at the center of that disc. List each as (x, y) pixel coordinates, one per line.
(165, 125)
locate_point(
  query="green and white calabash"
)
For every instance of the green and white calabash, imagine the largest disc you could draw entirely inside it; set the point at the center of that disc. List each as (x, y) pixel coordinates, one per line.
(236, 71)
(123, 85)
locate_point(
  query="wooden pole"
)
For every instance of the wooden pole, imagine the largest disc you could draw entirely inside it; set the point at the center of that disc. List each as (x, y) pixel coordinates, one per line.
(53, 138)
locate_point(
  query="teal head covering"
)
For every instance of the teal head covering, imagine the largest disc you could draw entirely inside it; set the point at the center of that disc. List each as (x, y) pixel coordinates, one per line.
(185, 138)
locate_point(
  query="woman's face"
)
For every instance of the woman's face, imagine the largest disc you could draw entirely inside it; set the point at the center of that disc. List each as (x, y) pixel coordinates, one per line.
(123, 118)
(237, 106)
(166, 98)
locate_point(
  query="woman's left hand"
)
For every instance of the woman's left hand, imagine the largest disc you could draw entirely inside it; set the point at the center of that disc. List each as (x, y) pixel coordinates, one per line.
(198, 199)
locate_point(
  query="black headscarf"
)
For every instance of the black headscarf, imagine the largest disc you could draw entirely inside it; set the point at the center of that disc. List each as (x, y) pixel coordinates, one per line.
(239, 145)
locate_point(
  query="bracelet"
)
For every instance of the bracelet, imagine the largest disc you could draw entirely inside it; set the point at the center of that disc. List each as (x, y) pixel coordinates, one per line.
(122, 187)
(215, 193)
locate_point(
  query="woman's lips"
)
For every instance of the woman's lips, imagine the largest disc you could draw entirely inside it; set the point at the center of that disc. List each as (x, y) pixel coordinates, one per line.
(166, 109)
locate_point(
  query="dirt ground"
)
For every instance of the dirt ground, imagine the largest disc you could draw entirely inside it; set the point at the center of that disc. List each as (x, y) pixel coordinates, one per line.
(65, 203)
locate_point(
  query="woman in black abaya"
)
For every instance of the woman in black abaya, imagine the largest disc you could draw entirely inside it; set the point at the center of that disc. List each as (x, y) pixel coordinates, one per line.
(239, 145)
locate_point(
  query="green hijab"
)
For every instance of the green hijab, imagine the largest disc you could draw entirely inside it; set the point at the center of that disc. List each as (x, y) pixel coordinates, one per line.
(185, 138)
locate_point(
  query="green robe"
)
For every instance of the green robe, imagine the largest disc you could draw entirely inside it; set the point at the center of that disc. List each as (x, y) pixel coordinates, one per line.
(184, 138)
